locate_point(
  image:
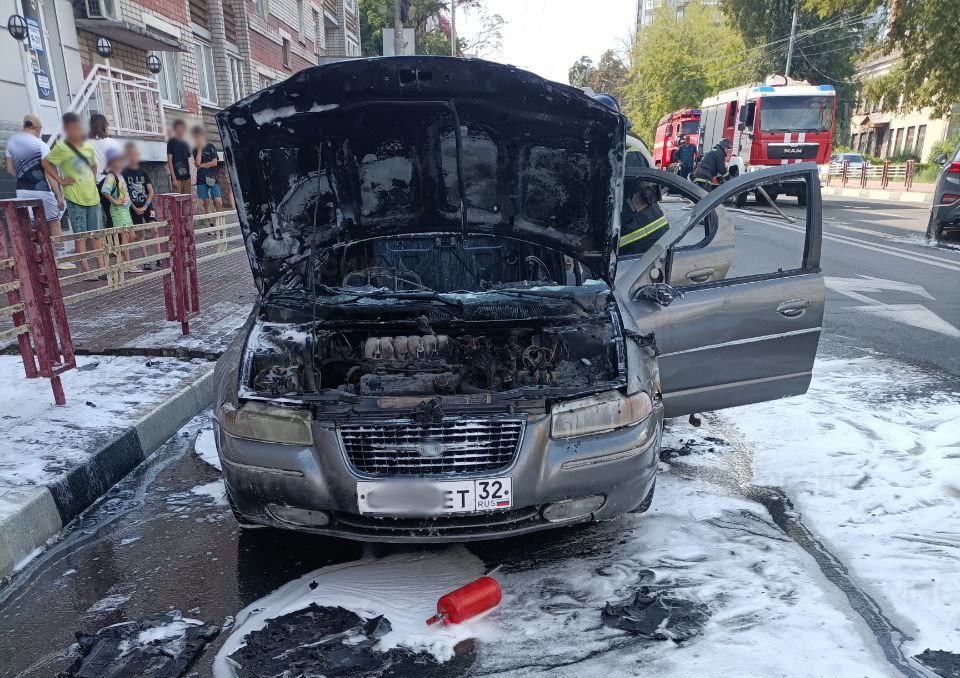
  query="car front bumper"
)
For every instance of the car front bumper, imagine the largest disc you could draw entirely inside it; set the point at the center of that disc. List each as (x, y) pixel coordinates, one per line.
(264, 480)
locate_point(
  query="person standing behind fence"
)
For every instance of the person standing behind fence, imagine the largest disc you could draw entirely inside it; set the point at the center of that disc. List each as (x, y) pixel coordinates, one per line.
(26, 160)
(178, 158)
(206, 160)
(75, 159)
(141, 195)
(102, 142)
(114, 190)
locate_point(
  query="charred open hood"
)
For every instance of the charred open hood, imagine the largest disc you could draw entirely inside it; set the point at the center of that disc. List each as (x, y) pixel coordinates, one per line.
(368, 148)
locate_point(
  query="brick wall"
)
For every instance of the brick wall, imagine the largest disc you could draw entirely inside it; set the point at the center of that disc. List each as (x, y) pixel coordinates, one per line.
(266, 43)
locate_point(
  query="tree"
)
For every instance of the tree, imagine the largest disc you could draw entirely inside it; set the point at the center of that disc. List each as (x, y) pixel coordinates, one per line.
(431, 23)
(924, 34)
(579, 74)
(676, 63)
(824, 51)
(608, 76)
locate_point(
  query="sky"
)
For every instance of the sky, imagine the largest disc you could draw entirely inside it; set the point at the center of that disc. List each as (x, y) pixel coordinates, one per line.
(548, 36)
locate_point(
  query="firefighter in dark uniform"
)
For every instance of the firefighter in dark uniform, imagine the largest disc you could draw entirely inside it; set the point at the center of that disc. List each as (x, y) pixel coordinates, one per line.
(713, 165)
(642, 222)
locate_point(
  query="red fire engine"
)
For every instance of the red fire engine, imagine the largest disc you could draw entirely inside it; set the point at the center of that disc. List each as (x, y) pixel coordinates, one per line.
(670, 129)
(772, 123)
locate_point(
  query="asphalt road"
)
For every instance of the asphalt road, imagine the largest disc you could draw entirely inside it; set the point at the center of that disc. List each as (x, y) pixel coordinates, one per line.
(157, 543)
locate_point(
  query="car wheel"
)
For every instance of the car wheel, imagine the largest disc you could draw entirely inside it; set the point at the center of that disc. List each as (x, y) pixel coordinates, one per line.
(741, 199)
(773, 196)
(647, 501)
(934, 230)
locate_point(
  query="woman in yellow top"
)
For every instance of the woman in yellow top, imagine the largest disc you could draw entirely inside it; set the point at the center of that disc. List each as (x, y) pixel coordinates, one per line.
(74, 158)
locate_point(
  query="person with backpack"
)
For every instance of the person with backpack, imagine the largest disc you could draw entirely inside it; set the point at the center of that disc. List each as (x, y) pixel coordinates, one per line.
(178, 158)
(76, 162)
(206, 160)
(117, 194)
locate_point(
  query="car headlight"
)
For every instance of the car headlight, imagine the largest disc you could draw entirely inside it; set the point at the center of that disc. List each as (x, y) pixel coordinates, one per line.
(599, 414)
(270, 424)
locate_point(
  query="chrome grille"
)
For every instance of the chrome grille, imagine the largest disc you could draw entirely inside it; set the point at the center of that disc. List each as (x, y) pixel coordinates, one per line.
(450, 447)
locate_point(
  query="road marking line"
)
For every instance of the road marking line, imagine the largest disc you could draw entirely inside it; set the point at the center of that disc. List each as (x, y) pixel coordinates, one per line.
(873, 247)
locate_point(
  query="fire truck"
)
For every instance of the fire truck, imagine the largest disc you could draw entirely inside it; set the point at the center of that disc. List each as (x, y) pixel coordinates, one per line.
(670, 129)
(776, 122)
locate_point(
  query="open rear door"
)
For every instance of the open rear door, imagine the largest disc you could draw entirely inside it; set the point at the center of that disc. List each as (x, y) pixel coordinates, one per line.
(753, 335)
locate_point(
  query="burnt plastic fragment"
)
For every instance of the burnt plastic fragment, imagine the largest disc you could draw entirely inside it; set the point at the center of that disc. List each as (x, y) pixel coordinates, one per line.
(157, 646)
(334, 642)
(657, 616)
(943, 663)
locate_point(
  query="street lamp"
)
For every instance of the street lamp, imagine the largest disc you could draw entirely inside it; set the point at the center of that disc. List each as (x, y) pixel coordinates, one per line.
(17, 26)
(104, 47)
(153, 64)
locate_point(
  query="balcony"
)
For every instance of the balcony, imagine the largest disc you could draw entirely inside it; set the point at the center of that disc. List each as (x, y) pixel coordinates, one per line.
(130, 101)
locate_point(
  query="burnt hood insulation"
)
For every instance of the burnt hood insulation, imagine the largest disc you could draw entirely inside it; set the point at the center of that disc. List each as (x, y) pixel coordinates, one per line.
(373, 148)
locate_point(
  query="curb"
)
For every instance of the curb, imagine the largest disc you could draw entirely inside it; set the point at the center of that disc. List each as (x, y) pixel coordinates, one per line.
(41, 512)
(876, 194)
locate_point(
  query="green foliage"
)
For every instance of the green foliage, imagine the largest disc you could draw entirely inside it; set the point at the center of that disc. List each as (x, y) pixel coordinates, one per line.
(679, 62)
(903, 156)
(945, 147)
(924, 33)
(926, 174)
(608, 76)
(824, 51)
(430, 21)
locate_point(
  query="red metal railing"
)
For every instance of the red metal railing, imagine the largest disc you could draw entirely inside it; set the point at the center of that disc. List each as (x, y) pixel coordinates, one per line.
(36, 302)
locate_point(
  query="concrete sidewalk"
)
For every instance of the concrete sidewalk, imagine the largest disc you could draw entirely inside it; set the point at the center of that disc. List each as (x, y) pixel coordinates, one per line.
(919, 193)
(138, 380)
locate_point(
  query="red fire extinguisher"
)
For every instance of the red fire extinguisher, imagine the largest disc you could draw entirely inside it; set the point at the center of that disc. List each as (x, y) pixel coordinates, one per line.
(468, 601)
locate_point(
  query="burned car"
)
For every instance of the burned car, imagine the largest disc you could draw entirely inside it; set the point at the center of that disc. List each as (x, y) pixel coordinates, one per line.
(443, 347)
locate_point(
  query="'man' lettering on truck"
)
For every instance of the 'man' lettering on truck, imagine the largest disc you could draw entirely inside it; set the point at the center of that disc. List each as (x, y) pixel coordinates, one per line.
(772, 124)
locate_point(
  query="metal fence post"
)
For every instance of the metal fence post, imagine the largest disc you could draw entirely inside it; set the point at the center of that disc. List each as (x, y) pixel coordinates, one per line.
(42, 296)
(863, 175)
(845, 172)
(908, 176)
(885, 177)
(180, 289)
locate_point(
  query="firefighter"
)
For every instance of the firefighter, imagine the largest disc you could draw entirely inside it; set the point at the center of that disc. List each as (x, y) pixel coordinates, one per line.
(642, 222)
(713, 165)
(684, 155)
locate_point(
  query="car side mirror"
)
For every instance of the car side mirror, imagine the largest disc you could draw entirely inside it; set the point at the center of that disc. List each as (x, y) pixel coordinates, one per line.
(941, 159)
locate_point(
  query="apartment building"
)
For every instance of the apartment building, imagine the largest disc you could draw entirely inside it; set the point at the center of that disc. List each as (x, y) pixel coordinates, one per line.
(144, 63)
(646, 9)
(896, 133)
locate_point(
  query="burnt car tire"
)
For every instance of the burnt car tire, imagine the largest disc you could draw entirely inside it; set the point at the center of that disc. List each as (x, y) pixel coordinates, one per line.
(934, 230)
(647, 501)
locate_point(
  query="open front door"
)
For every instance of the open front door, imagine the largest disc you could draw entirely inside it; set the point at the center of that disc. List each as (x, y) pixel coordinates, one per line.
(753, 335)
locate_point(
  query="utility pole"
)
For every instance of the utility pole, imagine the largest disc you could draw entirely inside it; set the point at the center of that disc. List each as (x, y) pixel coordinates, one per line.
(793, 37)
(453, 28)
(398, 41)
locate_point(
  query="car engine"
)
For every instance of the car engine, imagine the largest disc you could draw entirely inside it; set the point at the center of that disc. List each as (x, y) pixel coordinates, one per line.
(365, 364)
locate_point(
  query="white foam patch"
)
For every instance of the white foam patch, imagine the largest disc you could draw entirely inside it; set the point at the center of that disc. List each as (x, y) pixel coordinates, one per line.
(871, 457)
(403, 587)
(206, 448)
(214, 490)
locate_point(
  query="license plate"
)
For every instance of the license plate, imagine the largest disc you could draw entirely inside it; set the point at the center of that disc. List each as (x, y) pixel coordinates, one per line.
(422, 497)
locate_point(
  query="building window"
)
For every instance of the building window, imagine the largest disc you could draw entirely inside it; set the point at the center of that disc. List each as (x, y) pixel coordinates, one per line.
(206, 83)
(353, 47)
(351, 5)
(169, 79)
(286, 53)
(921, 135)
(236, 78)
(318, 33)
(265, 81)
(260, 8)
(301, 22)
(897, 145)
(908, 144)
